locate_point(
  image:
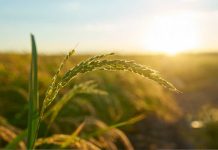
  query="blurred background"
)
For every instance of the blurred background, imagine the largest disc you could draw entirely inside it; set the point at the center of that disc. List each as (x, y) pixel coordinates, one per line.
(177, 38)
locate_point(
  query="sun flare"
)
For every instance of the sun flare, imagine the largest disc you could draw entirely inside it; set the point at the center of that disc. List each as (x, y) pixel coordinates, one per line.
(172, 34)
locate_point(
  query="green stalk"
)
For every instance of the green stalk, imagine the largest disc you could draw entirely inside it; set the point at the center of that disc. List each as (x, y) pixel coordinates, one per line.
(33, 118)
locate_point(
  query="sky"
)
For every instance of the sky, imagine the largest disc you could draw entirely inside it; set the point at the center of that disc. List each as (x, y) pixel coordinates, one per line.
(123, 26)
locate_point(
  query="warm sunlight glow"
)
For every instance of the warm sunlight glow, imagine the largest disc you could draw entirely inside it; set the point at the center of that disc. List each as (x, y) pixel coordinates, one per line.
(172, 34)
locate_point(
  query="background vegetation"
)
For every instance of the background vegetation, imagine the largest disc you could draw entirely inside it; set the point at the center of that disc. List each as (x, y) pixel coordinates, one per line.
(169, 118)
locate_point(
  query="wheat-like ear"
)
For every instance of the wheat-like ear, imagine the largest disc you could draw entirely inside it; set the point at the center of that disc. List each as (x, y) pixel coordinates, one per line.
(59, 139)
(88, 87)
(98, 63)
(54, 79)
(113, 65)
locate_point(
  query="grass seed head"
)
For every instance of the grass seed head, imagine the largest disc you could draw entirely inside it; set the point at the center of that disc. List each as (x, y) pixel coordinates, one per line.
(98, 63)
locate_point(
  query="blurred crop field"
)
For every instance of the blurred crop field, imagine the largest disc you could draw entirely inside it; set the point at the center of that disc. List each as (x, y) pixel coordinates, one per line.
(172, 120)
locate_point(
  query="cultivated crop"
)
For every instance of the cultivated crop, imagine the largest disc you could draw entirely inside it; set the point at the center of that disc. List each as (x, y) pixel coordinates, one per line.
(105, 136)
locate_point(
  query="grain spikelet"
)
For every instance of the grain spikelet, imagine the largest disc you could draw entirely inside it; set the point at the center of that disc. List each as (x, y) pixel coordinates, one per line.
(54, 79)
(59, 139)
(96, 63)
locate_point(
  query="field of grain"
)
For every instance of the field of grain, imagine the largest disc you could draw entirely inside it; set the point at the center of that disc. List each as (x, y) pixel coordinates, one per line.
(170, 120)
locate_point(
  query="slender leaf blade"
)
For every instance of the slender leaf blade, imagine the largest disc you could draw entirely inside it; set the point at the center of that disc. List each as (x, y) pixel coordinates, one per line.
(33, 98)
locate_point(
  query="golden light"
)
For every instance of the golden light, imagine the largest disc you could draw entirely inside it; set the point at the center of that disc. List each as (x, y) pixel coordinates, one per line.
(172, 34)
(196, 124)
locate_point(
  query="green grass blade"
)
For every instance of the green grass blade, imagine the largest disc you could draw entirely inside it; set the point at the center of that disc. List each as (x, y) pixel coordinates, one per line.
(33, 99)
(13, 144)
(117, 125)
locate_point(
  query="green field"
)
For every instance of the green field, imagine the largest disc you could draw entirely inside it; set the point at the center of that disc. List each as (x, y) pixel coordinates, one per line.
(168, 117)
